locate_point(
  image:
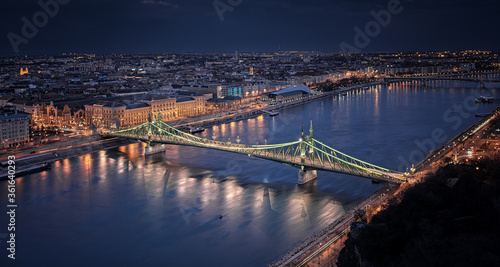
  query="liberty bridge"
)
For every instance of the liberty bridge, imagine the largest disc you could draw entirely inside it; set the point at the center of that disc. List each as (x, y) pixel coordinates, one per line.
(306, 154)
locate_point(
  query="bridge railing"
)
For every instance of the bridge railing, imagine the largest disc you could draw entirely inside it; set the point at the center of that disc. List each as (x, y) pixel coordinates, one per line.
(326, 159)
(346, 157)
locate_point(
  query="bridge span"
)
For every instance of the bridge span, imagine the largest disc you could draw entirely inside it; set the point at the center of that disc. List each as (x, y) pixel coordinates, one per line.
(307, 154)
(440, 78)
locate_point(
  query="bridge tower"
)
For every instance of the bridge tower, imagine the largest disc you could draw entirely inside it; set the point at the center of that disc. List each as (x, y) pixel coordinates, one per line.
(311, 141)
(306, 175)
(152, 148)
(302, 147)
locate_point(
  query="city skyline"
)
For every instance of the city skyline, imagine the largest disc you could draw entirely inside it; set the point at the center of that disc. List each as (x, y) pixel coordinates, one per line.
(150, 26)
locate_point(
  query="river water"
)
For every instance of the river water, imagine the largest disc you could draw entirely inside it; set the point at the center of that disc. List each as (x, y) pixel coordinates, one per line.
(119, 208)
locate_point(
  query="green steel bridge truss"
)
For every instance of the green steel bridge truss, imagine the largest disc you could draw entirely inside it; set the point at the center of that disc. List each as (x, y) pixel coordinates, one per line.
(306, 154)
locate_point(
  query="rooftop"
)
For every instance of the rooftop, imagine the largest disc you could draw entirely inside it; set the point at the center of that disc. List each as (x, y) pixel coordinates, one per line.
(136, 105)
(232, 97)
(216, 100)
(10, 114)
(297, 87)
(184, 99)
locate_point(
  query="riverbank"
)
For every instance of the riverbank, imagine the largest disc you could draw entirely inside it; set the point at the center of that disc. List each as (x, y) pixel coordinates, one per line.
(237, 116)
(34, 150)
(440, 153)
(445, 220)
(24, 164)
(13, 172)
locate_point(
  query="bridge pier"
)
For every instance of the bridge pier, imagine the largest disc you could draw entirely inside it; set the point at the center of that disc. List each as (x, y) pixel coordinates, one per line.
(153, 149)
(306, 176)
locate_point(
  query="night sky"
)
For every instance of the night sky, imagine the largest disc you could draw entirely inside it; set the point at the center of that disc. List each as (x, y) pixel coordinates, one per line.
(151, 26)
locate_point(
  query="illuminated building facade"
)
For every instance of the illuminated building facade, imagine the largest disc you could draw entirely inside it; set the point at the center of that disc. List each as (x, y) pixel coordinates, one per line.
(14, 129)
(107, 114)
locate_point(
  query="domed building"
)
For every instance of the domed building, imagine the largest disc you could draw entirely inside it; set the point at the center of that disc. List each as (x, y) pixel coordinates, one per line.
(288, 94)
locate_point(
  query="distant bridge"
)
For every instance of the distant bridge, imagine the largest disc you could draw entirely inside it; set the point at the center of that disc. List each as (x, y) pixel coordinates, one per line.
(440, 78)
(307, 154)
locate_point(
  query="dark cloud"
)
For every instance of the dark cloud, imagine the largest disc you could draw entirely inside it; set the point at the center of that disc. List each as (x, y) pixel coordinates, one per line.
(106, 26)
(161, 3)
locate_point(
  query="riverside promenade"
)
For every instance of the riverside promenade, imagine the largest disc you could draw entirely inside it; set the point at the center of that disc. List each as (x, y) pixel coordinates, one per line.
(322, 248)
(61, 150)
(212, 120)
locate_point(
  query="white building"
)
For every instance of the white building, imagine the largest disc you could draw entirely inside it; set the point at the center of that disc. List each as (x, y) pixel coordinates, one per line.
(14, 129)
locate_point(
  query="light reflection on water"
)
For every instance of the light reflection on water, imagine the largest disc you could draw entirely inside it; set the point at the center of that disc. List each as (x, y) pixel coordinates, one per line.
(118, 207)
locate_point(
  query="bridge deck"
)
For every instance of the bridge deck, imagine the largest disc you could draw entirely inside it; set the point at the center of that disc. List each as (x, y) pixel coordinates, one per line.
(431, 78)
(307, 153)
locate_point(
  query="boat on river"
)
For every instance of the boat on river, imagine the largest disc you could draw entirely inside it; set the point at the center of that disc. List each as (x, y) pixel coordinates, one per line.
(20, 172)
